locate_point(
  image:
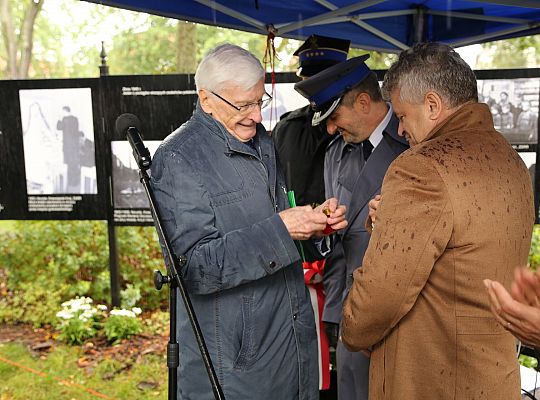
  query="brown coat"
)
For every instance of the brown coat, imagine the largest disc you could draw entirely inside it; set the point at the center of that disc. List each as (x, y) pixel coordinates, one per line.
(456, 209)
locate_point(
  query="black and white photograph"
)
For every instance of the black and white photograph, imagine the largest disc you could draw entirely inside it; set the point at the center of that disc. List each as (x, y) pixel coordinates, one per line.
(514, 105)
(128, 191)
(58, 139)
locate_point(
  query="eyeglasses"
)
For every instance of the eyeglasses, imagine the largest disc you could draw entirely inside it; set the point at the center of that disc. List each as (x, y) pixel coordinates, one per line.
(247, 108)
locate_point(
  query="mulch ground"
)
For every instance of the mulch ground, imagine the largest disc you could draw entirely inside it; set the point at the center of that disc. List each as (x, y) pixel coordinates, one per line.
(42, 341)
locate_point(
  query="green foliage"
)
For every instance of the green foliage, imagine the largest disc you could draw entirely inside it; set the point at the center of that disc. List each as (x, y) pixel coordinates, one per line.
(157, 323)
(376, 59)
(55, 255)
(511, 53)
(46, 263)
(526, 361)
(148, 47)
(43, 263)
(130, 295)
(31, 303)
(534, 253)
(76, 331)
(79, 320)
(48, 59)
(139, 43)
(121, 325)
(139, 255)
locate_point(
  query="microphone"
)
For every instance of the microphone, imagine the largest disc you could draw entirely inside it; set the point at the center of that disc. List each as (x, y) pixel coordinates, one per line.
(129, 125)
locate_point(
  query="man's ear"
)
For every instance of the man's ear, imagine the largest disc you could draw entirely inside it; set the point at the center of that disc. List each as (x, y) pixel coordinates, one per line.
(362, 102)
(434, 105)
(204, 100)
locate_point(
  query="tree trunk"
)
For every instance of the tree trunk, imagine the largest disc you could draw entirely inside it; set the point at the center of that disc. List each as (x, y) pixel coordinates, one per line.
(27, 34)
(18, 46)
(186, 59)
(9, 38)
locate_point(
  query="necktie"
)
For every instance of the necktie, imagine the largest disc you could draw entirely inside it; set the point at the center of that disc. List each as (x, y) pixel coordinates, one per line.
(367, 148)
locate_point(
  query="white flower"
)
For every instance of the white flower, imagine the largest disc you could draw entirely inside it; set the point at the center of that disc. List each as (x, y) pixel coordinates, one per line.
(89, 313)
(123, 313)
(76, 306)
(136, 310)
(102, 307)
(64, 314)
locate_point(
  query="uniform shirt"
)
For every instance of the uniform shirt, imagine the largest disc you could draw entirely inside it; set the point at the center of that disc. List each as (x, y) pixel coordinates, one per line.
(350, 161)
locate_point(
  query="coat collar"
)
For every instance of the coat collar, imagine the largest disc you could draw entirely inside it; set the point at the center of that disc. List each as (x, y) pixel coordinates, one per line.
(232, 144)
(469, 116)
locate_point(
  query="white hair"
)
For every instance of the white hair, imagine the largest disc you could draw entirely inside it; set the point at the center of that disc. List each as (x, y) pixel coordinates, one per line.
(228, 65)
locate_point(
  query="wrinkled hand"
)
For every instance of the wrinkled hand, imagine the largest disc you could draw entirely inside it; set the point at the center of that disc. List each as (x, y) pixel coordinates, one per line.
(373, 205)
(518, 311)
(335, 213)
(303, 222)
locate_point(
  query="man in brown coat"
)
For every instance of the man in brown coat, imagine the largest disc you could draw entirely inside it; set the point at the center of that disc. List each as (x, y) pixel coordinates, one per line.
(456, 208)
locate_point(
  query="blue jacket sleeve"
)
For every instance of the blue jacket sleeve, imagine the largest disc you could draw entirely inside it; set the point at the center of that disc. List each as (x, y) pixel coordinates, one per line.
(215, 260)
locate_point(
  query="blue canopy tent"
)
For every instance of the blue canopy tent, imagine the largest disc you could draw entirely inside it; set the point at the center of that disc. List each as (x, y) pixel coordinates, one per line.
(382, 25)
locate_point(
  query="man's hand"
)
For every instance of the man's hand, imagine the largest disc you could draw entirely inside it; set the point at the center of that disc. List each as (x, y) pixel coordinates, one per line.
(373, 205)
(334, 212)
(518, 311)
(303, 222)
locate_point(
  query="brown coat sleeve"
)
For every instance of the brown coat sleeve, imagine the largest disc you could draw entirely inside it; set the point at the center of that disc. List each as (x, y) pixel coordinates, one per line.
(414, 225)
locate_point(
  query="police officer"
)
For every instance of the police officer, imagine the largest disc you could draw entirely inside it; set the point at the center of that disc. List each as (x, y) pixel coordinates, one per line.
(300, 145)
(347, 99)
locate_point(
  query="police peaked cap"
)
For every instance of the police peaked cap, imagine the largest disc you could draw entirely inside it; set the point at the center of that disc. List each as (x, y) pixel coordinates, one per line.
(326, 89)
(320, 52)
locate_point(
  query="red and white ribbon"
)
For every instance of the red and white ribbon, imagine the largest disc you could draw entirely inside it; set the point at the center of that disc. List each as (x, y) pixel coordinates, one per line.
(313, 272)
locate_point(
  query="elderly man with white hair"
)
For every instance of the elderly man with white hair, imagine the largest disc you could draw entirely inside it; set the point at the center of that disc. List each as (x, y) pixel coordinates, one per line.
(223, 201)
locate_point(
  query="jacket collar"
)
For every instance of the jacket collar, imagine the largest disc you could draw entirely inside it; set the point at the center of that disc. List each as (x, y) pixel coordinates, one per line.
(232, 144)
(470, 116)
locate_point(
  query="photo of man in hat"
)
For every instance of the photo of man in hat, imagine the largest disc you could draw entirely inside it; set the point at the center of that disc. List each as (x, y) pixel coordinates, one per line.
(347, 100)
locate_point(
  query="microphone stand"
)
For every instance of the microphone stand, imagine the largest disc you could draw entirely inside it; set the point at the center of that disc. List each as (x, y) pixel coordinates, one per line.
(173, 279)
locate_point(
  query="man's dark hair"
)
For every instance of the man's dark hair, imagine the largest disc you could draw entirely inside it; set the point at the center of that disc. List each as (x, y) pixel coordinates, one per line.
(369, 85)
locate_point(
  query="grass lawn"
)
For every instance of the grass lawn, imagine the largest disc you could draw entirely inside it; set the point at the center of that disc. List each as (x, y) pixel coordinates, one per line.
(7, 226)
(56, 375)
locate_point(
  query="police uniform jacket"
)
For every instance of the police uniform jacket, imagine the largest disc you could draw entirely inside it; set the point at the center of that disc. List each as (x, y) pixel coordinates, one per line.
(301, 148)
(354, 186)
